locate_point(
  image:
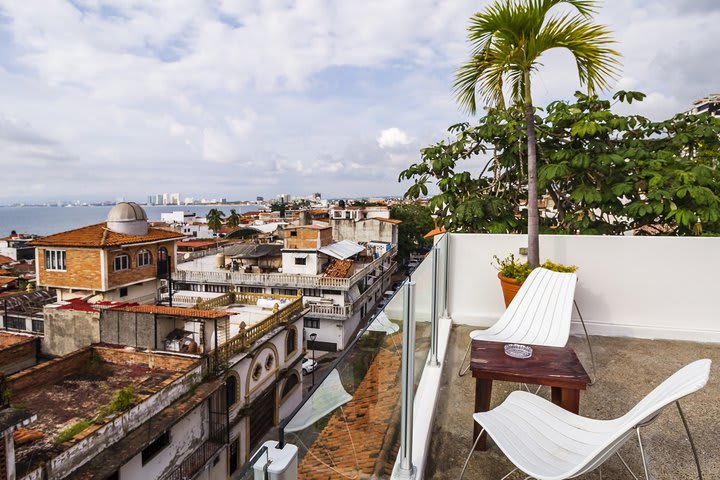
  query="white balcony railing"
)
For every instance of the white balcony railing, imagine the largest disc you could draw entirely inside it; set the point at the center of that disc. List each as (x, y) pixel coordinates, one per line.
(286, 280)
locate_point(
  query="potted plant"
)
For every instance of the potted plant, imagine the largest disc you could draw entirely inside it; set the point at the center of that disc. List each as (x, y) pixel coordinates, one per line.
(512, 273)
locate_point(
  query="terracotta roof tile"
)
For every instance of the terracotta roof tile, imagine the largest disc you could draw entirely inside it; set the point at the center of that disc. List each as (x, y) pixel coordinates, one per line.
(100, 236)
(173, 311)
(7, 280)
(4, 259)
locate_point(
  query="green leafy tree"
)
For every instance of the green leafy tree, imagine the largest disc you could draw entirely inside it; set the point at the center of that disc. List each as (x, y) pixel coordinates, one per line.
(508, 39)
(215, 220)
(599, 172)
(233, 220)
(416, 222)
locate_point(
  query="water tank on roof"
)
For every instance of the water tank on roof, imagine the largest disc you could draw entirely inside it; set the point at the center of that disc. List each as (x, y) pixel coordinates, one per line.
(128, 218)
(220, 260)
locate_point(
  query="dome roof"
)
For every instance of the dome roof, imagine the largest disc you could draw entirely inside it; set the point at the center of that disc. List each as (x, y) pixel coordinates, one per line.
(128, 218)
(126, 212)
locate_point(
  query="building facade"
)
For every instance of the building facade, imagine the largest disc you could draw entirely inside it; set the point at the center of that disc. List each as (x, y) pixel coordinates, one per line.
(120, 259)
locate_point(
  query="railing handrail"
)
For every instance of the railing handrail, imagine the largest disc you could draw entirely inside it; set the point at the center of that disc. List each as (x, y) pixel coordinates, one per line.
(251, 464)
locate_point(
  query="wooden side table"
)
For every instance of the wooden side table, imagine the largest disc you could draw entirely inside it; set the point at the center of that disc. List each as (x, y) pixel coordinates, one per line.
(555, 367)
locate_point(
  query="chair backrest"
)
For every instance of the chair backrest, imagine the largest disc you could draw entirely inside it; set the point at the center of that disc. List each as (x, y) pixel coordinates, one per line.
(541, 311)
(685, 381)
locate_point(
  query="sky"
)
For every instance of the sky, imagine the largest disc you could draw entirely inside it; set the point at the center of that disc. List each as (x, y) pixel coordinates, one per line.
(240, 98)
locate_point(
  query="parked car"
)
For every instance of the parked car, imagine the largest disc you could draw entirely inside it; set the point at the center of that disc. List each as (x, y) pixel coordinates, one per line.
(308, 365)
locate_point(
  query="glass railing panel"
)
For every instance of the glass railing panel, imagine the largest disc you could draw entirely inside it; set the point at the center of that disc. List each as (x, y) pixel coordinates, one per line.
(348, 427)
(422, 276)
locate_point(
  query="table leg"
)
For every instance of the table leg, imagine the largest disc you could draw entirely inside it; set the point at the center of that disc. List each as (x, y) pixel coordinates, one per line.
(567, 398)
(483, 391)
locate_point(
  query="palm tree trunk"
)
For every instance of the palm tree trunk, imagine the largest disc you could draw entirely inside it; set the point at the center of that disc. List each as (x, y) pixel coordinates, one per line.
(532, 204)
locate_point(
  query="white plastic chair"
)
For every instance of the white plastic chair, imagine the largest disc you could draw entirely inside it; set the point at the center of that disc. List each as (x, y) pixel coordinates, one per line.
(549, 443)
(539, 314)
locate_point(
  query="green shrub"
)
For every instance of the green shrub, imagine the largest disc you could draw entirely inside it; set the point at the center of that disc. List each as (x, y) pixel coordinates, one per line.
(124, 400)
(510, 267)
(69, 432)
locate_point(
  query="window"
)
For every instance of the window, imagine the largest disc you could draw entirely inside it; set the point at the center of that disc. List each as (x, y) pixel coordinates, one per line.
(123, 291)
(293, 233)
(15, 323)
(269, 361)
(290, 383)
(38, 326)
(55, 260)
(122, 262)
(290, 342)
(257, 371)
(312, 323)
(300, 260)
(231, 390)
(144, 257)
(233, 457)
(312, 292)
(155, 447)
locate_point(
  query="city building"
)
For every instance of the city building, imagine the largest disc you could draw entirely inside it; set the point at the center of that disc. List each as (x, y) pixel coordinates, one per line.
(120, 259)
(15, 246)
(143, 391)
(363, 224)
(341, 282)
(709, 104)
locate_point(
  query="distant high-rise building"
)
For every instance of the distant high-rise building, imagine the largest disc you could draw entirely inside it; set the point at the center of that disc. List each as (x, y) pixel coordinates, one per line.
(316, 197)
(259, 199)
(150, 200)
(284, 197)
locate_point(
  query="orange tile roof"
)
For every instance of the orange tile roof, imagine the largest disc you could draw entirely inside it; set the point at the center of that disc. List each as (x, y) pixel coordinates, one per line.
(5, 273)
(173, 311)
(7, 280)
(4, 259)
(388, 220)
(99, 235)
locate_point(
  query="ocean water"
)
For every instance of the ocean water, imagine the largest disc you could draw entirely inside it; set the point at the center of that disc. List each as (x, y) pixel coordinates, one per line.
(48, 220)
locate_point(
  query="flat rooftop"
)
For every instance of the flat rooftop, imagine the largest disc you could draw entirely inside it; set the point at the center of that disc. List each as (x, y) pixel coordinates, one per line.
(628, 369)
(8, 339)
(76, 387)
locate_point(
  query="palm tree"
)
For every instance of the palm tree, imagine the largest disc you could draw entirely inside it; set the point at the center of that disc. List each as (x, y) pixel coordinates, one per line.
(215, 220)
(507, 40)
(233, 220)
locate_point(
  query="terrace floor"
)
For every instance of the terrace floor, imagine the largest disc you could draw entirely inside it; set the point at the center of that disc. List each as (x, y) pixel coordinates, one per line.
(628, 369)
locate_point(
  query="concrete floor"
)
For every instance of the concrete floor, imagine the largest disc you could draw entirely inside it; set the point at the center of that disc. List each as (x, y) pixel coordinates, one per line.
(628, 369)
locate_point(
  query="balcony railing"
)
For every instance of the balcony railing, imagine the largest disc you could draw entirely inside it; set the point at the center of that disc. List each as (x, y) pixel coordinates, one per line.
(196, 461)
(325, 310)
(244, 340)
(287, 280)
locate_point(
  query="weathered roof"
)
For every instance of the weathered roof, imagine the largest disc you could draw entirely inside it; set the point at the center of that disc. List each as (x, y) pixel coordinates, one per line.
(249, 250)
(173, 311)
(7, 280)
(309, 227)
(388, 220)
(342, 250)
(4, 260)
(196, 244)
(99, 235)
(13, 417)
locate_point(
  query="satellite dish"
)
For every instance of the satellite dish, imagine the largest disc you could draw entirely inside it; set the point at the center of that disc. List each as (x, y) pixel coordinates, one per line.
(186, 256)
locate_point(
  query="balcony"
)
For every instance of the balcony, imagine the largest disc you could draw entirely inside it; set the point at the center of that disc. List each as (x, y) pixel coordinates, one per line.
(649, 307)
(196, 273)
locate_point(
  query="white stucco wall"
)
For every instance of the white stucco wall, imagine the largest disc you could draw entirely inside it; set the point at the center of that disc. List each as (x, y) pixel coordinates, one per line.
(311, 267)
(646, 287)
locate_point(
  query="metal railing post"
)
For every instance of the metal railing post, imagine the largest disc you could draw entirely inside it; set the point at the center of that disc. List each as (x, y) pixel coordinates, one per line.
(406, 468)
(446, 270)
(433, 357)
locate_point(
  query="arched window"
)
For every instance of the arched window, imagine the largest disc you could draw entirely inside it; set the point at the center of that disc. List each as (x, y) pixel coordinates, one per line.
(122, 262)
(290, 342)
(291, 383)
(144, 257)
(231, 390)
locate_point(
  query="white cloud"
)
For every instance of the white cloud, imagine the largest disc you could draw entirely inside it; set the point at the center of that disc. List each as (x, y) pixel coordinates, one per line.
(115, 97)
(393, 137)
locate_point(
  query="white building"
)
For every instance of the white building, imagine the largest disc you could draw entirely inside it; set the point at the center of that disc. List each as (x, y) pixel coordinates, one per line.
(709, 104)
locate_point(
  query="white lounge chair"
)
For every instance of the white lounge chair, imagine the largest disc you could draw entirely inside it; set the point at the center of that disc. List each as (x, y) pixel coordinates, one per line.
(549, 443)
(539, 314)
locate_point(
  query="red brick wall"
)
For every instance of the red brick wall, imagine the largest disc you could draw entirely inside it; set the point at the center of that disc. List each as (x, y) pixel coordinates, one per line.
(83, 269)
(165, 362)
(49, 372)
(26, 350)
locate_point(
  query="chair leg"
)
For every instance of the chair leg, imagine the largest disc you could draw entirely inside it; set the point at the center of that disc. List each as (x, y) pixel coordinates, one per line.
(470, 454)
(690, 438)
(587, 338)
(627, 467)
(462, 371)
(642, 454)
